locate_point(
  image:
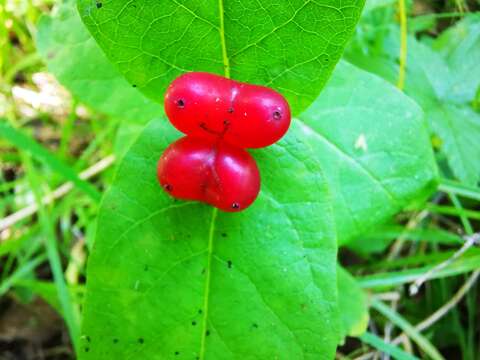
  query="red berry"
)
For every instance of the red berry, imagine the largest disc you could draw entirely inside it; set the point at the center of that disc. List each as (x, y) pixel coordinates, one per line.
(208, 105)
(216, 173)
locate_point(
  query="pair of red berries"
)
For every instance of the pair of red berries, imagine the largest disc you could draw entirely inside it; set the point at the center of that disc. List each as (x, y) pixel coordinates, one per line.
(221, 117)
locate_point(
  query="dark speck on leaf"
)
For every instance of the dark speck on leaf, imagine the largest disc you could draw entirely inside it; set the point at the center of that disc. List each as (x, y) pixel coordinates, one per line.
(141, 341)
(99, 5)
(255, 325)
(88, 338)
(134, 85)
(207, 333)
(194, 323)
(203, 271)
(229, 264)
(115, 341)
(145, 268)
(177, 352)
(200, 311)
(224, 235)
(87, 349)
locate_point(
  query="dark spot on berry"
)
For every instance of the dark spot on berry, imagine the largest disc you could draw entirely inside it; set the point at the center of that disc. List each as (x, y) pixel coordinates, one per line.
(277, 115)
(229, 264)
(230, 110)
(177, 353)
(99, 5)
(226, 122)
(194, 323)
(141, 341)
(224, 235)
(235, 206)
(115, 341)
(180, 103)
(168, 187)
(207, 333)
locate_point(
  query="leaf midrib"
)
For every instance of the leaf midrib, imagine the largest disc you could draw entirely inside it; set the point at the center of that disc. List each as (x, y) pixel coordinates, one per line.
(226, 66)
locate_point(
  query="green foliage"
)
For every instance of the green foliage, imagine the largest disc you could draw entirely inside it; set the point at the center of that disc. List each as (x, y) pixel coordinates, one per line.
(386, 348)
(279, 254)
(374, 148)
(352, 303)
(29, 145)
(443, 82)
(291, 46)
(219, 285)
(399, 321)
(74, 57)
(171, 279)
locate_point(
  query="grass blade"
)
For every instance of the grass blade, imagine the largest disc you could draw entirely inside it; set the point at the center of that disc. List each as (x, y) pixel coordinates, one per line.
(459, 189)
(463, 265)
(411, 332)
(69, 310)
(38, 152)
(386, 348)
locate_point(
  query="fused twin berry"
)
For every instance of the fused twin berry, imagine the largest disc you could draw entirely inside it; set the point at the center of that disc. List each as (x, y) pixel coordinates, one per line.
(207, 105)
(221, 117)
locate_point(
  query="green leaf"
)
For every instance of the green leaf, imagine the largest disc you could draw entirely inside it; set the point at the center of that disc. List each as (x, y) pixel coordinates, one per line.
(262, 282)
(371, 5)
(460, 46)
(352, 303)
(374, 147)
(168, 276)
(441, 85)
(459, 128)
(74, 57)
(291, 46)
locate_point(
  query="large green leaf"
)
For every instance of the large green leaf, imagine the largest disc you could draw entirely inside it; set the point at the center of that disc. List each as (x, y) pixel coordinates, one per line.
(168, 277)
(373, 144)
(262, 284)
(291, 46)
(74, 57)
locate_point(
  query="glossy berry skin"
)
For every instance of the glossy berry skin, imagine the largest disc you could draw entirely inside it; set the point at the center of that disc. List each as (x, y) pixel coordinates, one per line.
(208, 105)
(216, 173)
